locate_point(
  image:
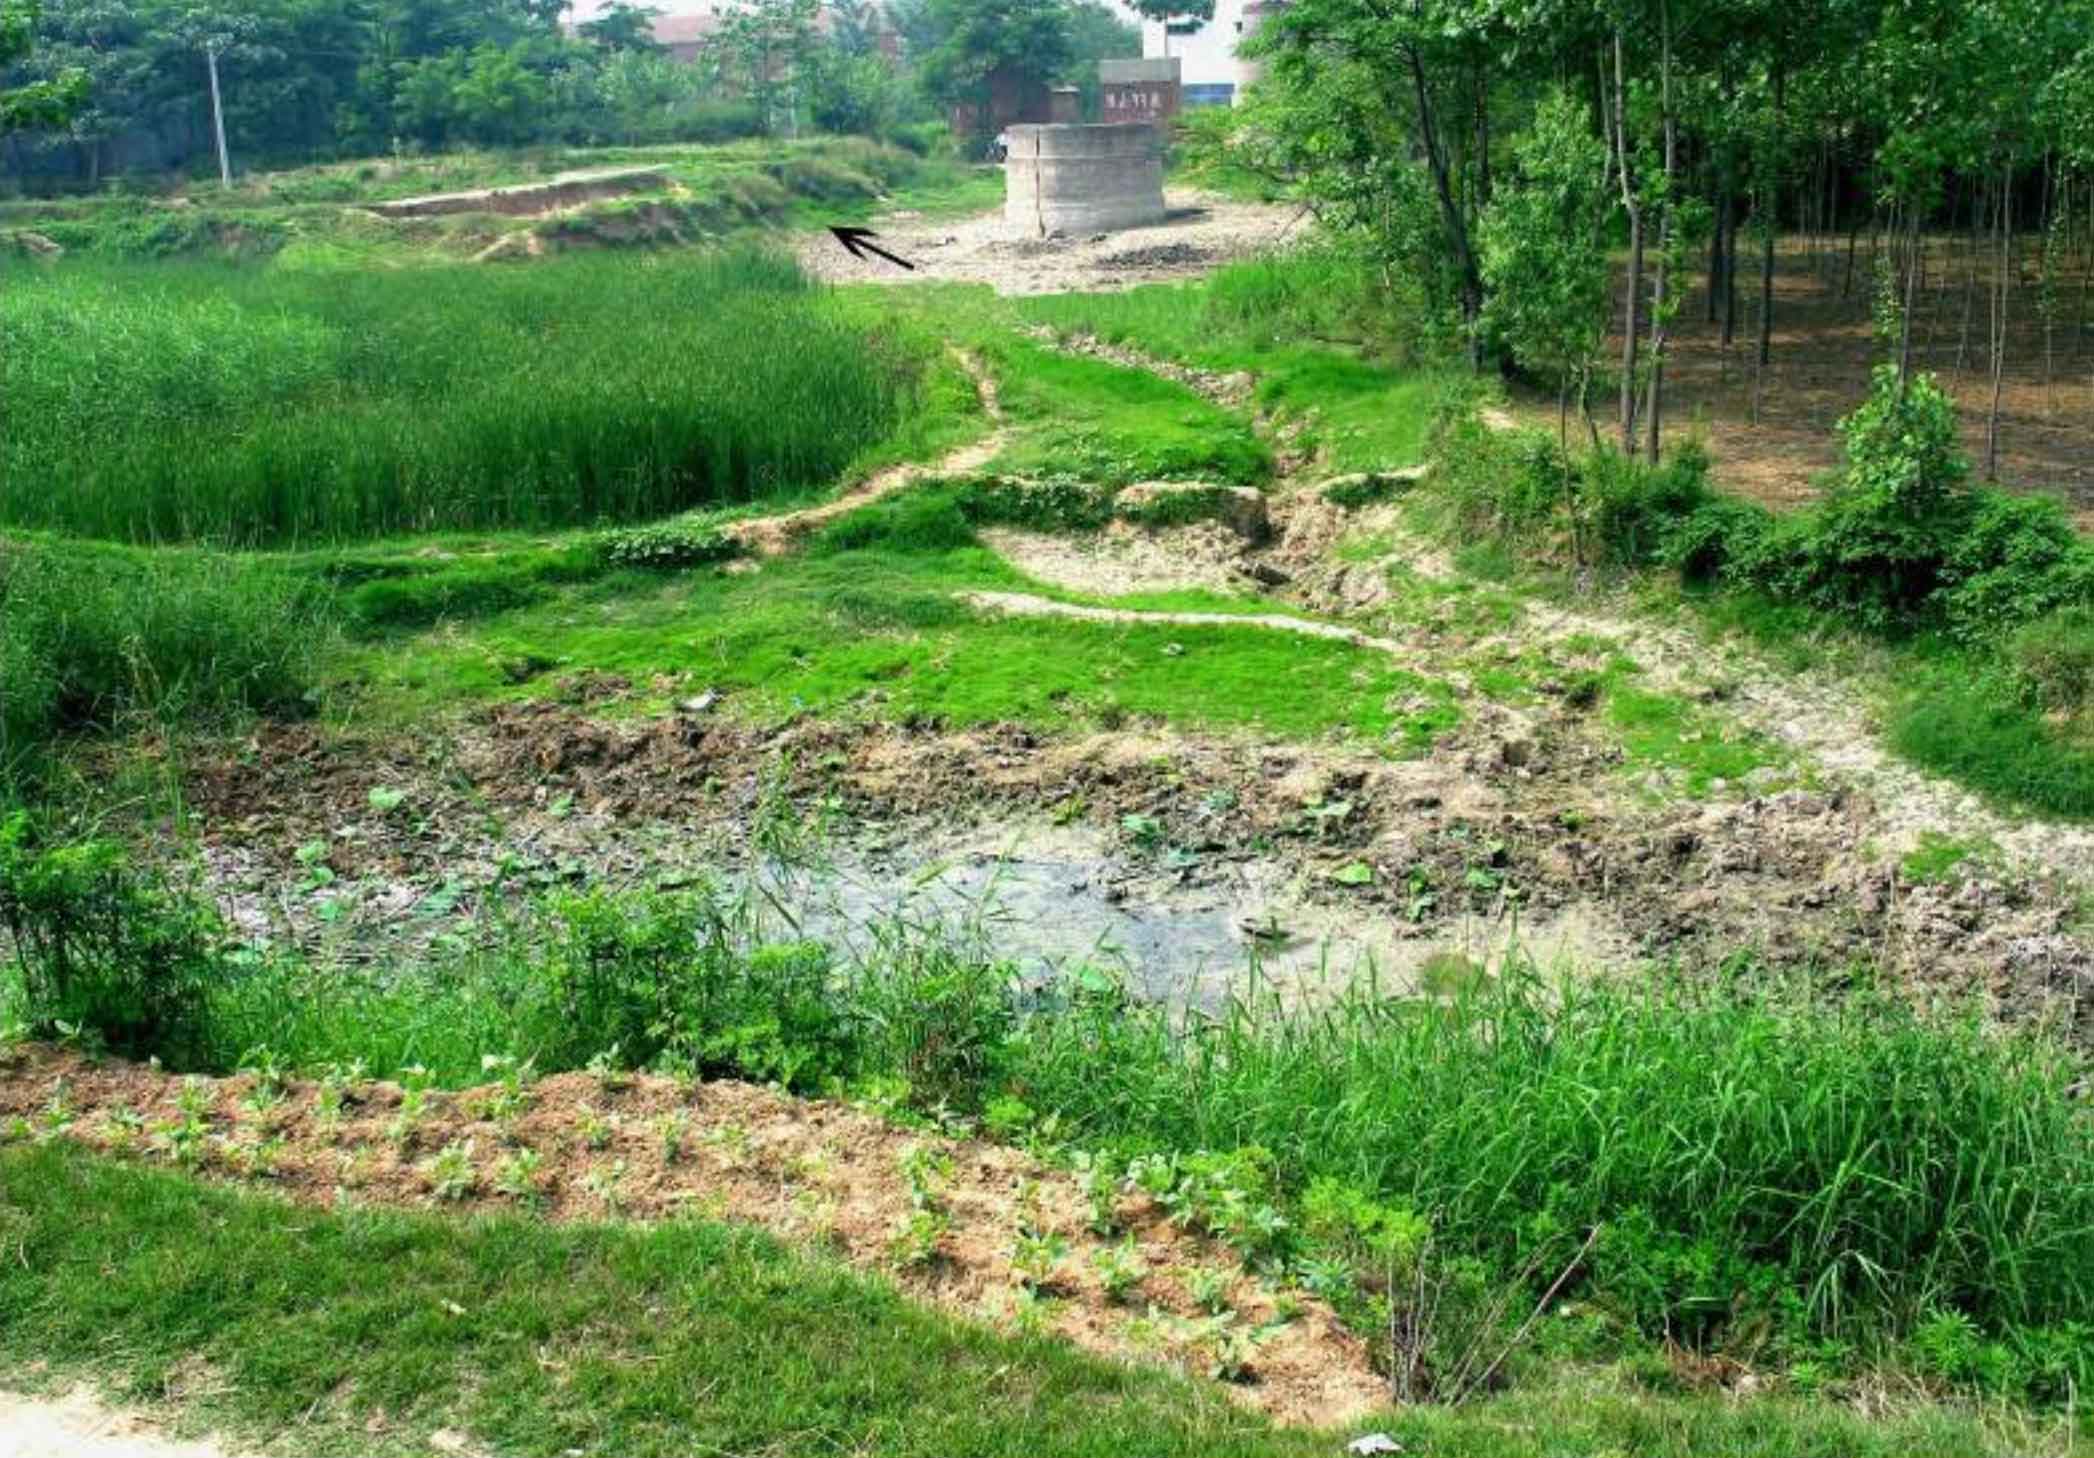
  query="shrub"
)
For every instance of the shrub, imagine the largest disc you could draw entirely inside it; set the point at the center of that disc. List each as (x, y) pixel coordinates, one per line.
(2054, 657)
(102, 947)
(667, 546)
(1502, 483)
(1637, 509)
(1874, 550)
(662, 974)
(2014, 559)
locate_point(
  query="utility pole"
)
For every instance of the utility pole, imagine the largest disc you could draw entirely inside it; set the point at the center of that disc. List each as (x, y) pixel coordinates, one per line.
(225, 166)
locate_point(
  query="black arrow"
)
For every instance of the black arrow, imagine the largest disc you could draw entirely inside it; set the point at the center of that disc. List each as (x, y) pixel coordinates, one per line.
(854, 239)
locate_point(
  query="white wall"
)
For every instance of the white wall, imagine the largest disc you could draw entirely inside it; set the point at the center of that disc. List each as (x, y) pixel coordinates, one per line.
(1207, 56)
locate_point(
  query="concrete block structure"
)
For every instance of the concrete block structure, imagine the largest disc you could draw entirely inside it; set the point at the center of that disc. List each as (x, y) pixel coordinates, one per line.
(1082, 179)
(1138, 91)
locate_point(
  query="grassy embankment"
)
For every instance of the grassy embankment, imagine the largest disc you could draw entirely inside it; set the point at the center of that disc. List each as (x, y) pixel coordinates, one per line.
(313, 217)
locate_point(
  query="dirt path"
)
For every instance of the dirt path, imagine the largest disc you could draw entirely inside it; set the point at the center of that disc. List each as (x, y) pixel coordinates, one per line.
(1024, 605)
(1200, 232)
(768, 536)
(79, 1426)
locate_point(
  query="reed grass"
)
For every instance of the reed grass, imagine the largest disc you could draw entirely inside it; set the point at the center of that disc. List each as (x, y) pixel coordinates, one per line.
(197, 402)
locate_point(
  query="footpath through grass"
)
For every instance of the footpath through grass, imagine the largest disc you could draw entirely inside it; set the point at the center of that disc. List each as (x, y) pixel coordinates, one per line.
(366, 1331)
(871, 620)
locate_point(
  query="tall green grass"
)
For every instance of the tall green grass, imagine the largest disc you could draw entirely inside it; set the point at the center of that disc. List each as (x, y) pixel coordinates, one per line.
(197, 402)
(95, 636)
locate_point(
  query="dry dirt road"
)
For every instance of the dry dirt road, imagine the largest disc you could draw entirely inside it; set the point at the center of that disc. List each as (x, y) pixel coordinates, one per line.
(1201, 232)
(77, 1426)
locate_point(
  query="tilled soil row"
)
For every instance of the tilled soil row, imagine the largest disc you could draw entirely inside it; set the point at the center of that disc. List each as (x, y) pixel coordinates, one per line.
(576, 1147)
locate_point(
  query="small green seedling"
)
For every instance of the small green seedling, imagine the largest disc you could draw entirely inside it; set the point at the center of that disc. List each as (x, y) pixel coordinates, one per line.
(405, 1127)
(450, 1172)
(517, 1176)
(926, 1171)
(595, 1128)
(608, 1069)
(270, 1078)
(122, 1127)
(1099, 1177)
(672, 1129)
(1208, 1288)
(1038, 1257)
(918, 1243)
(607, 1184)
(1121, 1269)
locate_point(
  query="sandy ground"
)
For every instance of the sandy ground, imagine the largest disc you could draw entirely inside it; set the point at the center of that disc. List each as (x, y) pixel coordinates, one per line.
(77, 1426)
(1201, 232)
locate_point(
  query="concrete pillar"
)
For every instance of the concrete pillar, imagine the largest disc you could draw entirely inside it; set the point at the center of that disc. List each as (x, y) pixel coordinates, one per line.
(1142, 91)
(1065, 105)
(1082, 179)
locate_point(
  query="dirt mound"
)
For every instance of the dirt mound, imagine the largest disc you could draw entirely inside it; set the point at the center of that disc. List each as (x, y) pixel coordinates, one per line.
(942, 1216)
(1199, 232)
(1125, 559)
(1158, 255)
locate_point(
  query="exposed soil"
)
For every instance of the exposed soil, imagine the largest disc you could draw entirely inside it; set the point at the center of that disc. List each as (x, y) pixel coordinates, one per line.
(1125, 559)
(78, 1425)
(1201, 231)
(530, 199)
(1020, 604)
(810, 1171)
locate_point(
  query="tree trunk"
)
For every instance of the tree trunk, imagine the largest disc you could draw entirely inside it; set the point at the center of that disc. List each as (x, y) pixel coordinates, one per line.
(1999, 322)
(1450, 212)
(1654, 409)
(1767, 292)
(1905, 310)
(1980, 209)
(1853, 232)
(1767, 243)
(1483, 141)
(1633, 327)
